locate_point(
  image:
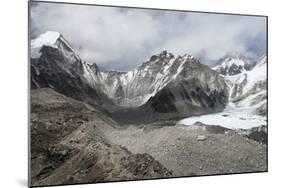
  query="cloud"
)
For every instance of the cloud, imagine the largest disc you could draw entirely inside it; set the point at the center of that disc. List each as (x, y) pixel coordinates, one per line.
(121, 38)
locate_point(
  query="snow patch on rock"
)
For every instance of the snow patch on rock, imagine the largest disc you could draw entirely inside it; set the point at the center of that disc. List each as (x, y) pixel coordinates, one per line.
(46, 39)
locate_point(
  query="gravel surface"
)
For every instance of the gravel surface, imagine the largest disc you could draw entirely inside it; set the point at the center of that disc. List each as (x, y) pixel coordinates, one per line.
(194, 150)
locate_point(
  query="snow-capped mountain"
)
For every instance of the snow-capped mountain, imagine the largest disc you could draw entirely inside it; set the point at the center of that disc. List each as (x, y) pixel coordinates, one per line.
(163, 87)
(55, 40)
(247, 104)
(135, 87)
(56, 65)
(234, 63)
(249, 89)
(180, 87)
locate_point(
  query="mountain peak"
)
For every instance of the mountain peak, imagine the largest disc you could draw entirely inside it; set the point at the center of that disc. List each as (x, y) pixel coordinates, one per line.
(235, 56)
(164, 54)
(55, 40)
(188, 57)
(47, 38)
(234, 63)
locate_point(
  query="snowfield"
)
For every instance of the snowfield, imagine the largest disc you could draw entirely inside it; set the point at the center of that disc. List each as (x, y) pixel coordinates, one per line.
(232, 117)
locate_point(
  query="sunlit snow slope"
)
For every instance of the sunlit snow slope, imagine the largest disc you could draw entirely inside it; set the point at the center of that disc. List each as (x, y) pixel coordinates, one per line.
(247, 101)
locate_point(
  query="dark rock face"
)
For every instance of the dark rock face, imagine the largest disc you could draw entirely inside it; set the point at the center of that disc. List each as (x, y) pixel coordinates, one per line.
(262, 110)
(163, 102)
(258, 134)
(54, 70)
(182, 96)
(175, 101)
(120, 92)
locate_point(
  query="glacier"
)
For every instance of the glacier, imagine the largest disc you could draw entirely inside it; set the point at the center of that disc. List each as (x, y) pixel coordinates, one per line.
(240, 112)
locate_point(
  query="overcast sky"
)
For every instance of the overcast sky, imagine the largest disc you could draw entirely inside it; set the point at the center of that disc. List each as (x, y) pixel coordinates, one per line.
(121, 38)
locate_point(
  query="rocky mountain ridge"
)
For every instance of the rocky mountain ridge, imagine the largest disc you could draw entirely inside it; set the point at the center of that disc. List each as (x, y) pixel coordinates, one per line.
(176, 86)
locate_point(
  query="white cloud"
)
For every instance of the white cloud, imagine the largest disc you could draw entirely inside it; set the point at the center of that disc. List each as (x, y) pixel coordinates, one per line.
(122, 38)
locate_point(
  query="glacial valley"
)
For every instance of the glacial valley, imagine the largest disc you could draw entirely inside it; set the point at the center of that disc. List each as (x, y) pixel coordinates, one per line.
(171, 116)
